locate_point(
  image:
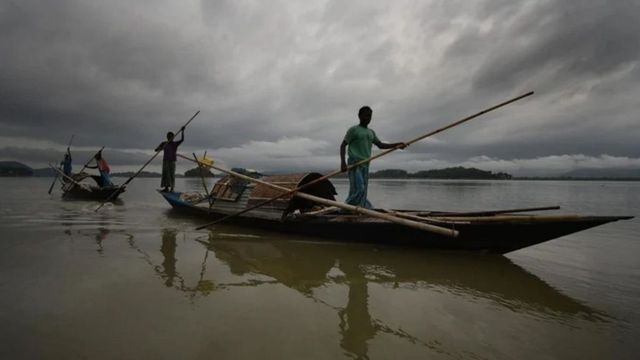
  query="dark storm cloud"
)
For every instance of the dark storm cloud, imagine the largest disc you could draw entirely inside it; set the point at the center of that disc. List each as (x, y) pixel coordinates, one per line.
(71, 66)
(41, 157)
(569, 40)
(281, 78)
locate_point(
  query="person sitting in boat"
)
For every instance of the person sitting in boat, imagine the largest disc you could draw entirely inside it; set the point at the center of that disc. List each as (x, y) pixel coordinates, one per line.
(359, 138)
(101, 164)
(170, 148)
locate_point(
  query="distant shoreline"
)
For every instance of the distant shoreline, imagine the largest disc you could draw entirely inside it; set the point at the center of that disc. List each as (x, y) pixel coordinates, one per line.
(386, 178)
(17, 169)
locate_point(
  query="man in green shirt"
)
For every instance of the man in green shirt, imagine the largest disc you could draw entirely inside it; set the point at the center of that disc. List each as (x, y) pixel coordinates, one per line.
(359, 139)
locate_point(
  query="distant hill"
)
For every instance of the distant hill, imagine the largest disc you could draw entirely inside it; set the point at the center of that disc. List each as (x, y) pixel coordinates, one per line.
(199, 172)
(447, 173)
(14, 168)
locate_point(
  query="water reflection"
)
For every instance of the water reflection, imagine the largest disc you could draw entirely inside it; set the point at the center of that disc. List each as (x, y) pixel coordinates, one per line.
(168, 250)
(305, 266)
(101, 235)
(310, 268)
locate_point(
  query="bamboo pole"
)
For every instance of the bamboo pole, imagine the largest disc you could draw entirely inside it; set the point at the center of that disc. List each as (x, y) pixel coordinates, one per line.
(366, 161)
(90, 159)
(119, 189)
(58, 171)
(481, 213)
(355, 209)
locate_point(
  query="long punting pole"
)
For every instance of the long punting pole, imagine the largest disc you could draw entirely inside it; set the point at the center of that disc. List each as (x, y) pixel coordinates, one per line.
(478, 213)
(365, 161)
(56, 177)
(59, 172)
(354, 209)
(119, 189)
(90, 159)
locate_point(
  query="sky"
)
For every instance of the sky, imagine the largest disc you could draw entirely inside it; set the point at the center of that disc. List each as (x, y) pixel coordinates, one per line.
(278, 83)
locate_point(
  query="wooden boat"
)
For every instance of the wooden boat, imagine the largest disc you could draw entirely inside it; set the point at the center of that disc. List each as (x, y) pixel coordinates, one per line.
(81, 188)
(493, 232)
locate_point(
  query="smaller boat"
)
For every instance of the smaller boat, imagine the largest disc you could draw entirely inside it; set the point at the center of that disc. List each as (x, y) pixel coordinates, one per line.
(79, 186)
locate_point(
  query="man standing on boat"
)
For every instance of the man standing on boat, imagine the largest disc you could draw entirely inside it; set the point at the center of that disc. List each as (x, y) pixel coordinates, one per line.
(170, 148)
(359, 139)
(103, 168)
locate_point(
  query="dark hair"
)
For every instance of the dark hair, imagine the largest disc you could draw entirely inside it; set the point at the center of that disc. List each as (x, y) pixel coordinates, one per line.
(365, 111)
(171, 135)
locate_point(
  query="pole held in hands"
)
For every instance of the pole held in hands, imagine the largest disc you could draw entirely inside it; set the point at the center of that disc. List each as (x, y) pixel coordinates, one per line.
(118, 190)
(365, 161)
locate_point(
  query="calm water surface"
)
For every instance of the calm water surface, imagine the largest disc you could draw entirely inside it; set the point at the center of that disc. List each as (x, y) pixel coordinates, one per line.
(135, 281)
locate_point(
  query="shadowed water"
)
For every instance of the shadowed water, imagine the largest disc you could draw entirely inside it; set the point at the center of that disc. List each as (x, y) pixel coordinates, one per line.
(136, 281)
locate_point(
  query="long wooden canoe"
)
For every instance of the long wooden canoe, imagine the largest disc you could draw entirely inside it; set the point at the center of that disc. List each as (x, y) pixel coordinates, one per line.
(79, 187)
(494, 233)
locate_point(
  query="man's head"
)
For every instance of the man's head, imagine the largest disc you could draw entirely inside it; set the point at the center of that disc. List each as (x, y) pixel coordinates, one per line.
(170, 135)
(364, 114)
(98, 155)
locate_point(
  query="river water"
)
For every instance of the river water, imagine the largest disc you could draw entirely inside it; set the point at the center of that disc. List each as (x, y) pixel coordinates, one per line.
(136, 281)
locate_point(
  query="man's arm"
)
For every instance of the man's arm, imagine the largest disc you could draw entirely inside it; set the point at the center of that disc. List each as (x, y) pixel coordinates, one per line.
(159, 147)
(343, 163)
(382, 145)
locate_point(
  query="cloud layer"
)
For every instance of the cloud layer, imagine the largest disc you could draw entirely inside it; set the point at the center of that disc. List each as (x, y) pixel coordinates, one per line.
(278, 83)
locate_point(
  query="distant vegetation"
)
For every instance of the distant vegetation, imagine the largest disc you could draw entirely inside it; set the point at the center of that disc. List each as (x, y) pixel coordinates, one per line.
(14, 168)
(17, 169)
(198, 172)
(448, 173)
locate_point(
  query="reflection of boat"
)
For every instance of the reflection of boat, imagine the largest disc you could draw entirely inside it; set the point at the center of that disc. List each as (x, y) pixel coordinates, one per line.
(489, 232)
(81, 189)
(304, 265)
(312, 268)
(349, 280)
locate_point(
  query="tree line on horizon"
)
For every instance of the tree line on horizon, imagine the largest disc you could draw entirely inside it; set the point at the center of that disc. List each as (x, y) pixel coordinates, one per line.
(457, 172)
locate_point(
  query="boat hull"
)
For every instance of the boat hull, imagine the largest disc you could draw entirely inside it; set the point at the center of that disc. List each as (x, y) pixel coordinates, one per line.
(488, 234)
(93, 193)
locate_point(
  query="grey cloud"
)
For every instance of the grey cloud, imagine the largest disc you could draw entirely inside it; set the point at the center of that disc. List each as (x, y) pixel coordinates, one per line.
(41, 157)
(121, 74)
(566, 39)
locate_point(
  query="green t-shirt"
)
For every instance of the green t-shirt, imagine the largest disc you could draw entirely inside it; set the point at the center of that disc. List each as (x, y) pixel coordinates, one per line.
(360, 140)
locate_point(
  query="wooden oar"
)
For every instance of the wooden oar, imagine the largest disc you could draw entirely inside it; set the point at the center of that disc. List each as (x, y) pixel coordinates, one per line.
(56, 177)
(89, 161)
(372, 158)
(58, 171)
(478, 213)
(119, 189)
(355, 209)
